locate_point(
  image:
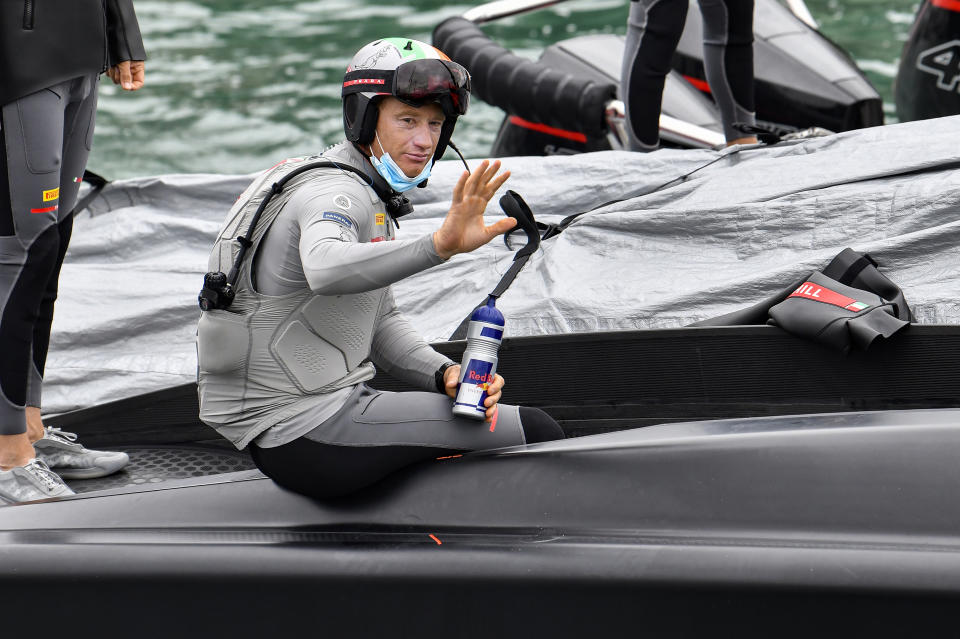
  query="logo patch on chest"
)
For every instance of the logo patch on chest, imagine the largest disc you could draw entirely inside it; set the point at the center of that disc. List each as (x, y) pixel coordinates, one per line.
(342, 201)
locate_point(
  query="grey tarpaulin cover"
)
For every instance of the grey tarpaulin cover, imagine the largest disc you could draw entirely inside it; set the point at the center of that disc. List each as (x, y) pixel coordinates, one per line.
(733, 233)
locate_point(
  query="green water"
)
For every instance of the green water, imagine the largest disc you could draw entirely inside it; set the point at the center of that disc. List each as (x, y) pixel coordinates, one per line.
(235, 85)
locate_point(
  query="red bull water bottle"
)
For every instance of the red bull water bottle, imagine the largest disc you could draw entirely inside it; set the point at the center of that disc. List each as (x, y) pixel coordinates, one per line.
(479, 364)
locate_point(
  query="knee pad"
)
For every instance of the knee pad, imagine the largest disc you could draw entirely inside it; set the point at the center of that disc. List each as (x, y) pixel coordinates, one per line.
(538, 426)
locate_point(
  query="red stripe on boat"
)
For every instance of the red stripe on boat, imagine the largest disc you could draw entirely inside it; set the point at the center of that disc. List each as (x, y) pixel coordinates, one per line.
(949, 5)
(697, 83)
(549, 130)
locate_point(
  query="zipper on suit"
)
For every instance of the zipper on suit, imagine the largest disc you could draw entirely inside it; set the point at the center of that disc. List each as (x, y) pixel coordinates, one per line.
(106, 50)
(28, 15)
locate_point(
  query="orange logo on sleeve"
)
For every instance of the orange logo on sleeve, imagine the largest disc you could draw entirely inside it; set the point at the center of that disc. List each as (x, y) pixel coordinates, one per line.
(381, 219)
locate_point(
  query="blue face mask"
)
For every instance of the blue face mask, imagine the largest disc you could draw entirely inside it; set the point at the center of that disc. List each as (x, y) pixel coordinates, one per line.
(393, 174)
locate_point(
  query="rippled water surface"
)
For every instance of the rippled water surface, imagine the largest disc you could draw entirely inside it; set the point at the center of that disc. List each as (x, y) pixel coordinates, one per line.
(234, 85)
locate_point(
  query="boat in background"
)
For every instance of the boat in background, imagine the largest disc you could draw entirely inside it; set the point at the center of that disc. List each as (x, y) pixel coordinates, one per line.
(568, 101)
(928, 79)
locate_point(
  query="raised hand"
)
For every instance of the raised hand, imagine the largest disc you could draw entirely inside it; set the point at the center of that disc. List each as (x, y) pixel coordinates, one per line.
(463, 229)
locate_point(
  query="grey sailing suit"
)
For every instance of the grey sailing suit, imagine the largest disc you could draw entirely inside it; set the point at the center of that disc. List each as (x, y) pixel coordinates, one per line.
(51, 54)
(313, 310)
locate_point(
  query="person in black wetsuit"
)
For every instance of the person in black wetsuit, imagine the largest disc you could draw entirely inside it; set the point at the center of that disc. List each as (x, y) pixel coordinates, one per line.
(51, 55)
(654, 28)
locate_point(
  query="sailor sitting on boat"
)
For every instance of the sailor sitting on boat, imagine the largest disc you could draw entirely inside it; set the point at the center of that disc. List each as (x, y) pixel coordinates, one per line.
(282, 366)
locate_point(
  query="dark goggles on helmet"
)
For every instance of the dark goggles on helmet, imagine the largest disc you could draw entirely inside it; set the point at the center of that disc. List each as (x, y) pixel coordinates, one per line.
(416, 82)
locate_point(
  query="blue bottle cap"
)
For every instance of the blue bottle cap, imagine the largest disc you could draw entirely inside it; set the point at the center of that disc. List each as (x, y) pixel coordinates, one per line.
(489, 313)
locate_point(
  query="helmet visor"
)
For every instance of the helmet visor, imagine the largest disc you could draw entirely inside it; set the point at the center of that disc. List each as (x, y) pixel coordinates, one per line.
(419, 80)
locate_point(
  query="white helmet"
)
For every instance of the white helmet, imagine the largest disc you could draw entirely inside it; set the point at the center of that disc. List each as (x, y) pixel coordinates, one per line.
(414, 72)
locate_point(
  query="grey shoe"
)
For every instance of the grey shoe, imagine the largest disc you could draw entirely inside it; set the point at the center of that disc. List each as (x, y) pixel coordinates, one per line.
(29, 482)
(71, 460)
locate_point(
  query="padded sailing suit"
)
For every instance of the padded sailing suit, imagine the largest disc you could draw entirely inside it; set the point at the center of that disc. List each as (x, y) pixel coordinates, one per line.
(283, 368)
(653, 32)
(51, 54)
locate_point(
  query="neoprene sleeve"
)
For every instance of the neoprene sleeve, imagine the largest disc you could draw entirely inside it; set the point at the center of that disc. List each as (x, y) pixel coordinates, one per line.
(333, 267)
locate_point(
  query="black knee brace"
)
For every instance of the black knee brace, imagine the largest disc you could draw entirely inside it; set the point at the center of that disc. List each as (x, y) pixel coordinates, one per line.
(19, 315)
(538, 426)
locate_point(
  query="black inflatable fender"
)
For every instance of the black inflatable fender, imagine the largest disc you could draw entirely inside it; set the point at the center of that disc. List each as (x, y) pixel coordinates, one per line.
(522, 87)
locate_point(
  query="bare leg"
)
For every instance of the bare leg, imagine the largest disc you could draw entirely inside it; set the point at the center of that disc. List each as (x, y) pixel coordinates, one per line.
(15, 450)
(34, 424)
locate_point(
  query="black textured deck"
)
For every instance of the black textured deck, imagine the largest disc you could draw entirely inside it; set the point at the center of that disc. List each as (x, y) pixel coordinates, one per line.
(157, 464)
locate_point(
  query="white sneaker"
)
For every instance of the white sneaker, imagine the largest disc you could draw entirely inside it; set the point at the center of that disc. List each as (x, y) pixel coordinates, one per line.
(29, 482)
(71, 460)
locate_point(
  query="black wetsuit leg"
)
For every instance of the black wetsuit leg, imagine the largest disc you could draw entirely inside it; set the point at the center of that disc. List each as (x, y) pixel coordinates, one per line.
(46, 142)
(328, 471)
(41, 329)
(323, 465)
(654, 28)
(728, 60)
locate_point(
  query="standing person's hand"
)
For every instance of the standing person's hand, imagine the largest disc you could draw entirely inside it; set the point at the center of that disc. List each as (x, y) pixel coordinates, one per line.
(128, 74)
(463, 229)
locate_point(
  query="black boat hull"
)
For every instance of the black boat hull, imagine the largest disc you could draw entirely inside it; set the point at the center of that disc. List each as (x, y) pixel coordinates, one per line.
(928, 80)
(601, 382)
(677, 528)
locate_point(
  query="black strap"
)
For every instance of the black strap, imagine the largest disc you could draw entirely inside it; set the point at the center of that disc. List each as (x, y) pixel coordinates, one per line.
(96, 183)
(551, 230)
(766, 132)
(246, 240)
(846, 266)
(514, 206)
(367, 81)
(438, 377)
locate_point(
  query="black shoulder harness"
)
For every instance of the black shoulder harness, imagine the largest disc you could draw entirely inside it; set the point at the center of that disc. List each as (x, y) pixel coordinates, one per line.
(219, 289)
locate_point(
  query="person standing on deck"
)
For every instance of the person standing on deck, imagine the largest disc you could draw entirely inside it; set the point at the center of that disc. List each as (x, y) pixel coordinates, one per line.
(654, 28)
(51, 55)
